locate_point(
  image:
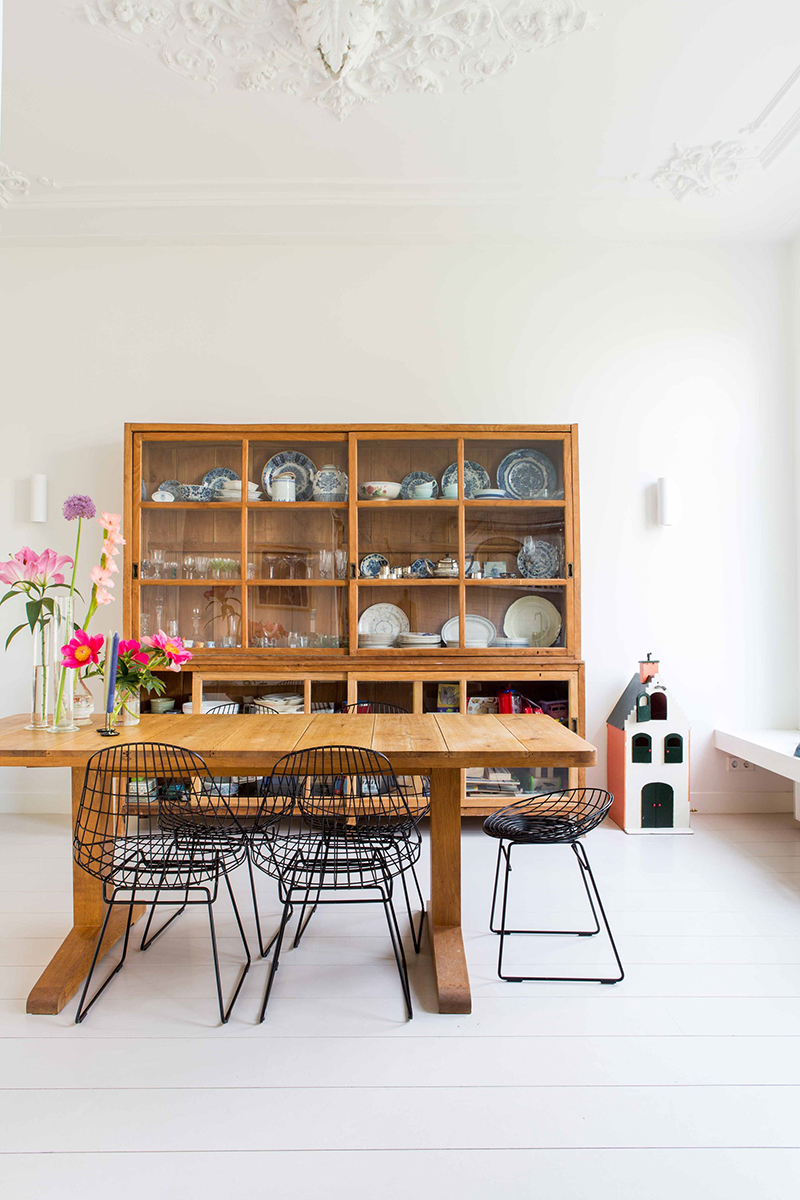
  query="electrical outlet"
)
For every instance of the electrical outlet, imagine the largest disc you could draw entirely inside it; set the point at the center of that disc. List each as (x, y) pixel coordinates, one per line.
(740, 764)
(747, 766)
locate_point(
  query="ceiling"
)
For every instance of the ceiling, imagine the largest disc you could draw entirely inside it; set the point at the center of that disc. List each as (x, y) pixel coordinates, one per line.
(658, 119)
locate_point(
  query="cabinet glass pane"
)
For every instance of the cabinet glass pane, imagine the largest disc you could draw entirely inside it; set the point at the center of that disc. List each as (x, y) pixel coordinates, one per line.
(392, 461)
(186, 462)
(427, 608)
(441, 696)
(297, 617)
(526, 541)
(328, 695)
(407, 536)
(399, 693)
(185, 543)
(312, 454)
(285, 542)
(284, 695)
(534, 617)
(204, 616)
(528, 469)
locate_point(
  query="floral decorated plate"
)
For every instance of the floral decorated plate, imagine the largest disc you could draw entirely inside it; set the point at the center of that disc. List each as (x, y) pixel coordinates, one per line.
(370, 565)
(386, 619)
(173, 486)
(291, 462)
(527, 474)
(423, 568)
(540, 560)
(217, 476)
(476, 478)
(412, 479)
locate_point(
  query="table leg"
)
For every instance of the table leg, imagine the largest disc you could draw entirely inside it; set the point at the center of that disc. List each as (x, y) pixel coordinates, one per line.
(70, 964)
(444, 915)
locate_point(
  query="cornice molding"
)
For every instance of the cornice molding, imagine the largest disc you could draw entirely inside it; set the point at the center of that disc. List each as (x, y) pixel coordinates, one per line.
(16, 188)
(340, 55)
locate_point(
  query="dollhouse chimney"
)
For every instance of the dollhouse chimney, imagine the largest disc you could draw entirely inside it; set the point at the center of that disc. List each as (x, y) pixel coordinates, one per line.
(648, 667)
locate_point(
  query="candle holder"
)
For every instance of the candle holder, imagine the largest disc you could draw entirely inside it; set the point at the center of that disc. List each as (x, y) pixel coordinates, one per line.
(108, 729)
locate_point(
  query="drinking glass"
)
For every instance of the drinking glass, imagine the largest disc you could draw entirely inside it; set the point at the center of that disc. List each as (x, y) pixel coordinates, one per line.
(172, 629)
(144, 624)
(341, 563)
(296, 561)
(202, 567)
(325, 561)
(189, 566)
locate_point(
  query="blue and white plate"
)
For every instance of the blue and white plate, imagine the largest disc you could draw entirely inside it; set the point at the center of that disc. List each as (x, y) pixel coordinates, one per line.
(173, 486)
(291, 462)
(217, 476)
(422, 568)
(198, 492)
(412, 479)
(541, 561)
(476, 478)
(370, 565)
(527, 475)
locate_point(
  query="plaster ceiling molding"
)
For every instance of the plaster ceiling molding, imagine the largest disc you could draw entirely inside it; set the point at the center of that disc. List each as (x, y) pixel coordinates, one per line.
(15, 186)
(339, 53)
(721, 167)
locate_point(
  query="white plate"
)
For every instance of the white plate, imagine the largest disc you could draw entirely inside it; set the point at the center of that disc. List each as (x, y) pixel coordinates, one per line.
(476, 629)
(534, 618)
(387, 619)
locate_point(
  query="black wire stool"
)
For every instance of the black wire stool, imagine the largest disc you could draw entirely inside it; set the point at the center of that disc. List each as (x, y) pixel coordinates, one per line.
(152, 821)
(335, 819)
(372, 706)
(555, 818)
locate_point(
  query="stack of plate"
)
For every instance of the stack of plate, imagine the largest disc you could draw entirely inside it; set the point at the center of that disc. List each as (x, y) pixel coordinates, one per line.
(511, 642)
(418, 640)
(479, 631)
(375, 641)
(231, 489)
(282, 702)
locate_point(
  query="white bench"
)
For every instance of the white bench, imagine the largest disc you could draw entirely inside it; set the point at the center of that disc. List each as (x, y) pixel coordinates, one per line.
(772, 749)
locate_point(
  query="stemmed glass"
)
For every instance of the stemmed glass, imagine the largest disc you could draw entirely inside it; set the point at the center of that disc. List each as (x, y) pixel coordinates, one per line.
(295, 561)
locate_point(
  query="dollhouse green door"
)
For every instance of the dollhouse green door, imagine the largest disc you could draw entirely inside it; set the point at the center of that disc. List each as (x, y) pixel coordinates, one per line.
(657, 806)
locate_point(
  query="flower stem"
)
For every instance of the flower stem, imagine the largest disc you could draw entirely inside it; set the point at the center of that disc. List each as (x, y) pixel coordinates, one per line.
(63, 678)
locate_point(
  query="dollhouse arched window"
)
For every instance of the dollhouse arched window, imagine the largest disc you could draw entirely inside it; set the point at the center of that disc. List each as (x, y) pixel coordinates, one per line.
(673, 748)
(658, 706)
(643, 707)
(642, 748)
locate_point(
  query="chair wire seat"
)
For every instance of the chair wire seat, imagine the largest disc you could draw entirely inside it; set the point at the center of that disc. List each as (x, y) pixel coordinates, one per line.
(152, 822)
(334, 821)
(562, 817)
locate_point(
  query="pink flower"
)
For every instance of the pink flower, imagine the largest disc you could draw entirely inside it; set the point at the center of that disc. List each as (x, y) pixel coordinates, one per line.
(103, 597)
(110, 521)
(43, 570)
(81, 650)
(101, 577)
(110, 550)
(111, 566)
(172, 648)
(134, 649)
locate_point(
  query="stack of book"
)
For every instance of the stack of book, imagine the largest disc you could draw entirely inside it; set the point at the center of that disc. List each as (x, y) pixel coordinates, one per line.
(493, 781)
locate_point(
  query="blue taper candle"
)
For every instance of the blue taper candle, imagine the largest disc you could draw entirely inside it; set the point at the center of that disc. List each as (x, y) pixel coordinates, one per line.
(112, 673)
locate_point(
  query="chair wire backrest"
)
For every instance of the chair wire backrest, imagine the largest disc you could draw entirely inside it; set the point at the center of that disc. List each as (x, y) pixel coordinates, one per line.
(148, 790)
(556, 816)
(372, 706)
(223, 709)
(261, 710)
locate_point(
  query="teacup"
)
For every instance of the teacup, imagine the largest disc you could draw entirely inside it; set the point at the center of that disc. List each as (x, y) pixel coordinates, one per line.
(450, 491)
(423, 491)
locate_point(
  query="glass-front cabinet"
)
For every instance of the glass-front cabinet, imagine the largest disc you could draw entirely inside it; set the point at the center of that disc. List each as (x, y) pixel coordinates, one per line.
(384, 542)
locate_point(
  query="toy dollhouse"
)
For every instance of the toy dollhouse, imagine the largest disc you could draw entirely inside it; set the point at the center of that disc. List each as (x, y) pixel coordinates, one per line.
(648, 757)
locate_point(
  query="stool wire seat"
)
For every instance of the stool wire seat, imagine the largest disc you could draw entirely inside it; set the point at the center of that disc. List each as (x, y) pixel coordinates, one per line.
(336, 826)
(553, 818)
(154, 827)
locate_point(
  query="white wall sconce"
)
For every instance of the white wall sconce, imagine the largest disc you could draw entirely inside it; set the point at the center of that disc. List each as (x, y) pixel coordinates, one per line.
(38, 498)
(665, 502)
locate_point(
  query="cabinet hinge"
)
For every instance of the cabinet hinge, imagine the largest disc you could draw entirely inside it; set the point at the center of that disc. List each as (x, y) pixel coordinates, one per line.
(134, 570)
(569, 570)
(352, 570)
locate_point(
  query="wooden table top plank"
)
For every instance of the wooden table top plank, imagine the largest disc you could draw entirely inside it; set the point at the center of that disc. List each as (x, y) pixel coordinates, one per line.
(254, 742)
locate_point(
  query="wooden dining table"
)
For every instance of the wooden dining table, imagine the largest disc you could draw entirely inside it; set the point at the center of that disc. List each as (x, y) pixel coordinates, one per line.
(441, 746)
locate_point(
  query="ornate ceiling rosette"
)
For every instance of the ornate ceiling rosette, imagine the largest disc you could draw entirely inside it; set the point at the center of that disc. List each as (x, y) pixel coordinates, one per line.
(339, 53)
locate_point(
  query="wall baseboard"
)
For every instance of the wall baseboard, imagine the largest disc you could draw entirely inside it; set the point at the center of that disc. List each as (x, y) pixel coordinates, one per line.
(742, 802)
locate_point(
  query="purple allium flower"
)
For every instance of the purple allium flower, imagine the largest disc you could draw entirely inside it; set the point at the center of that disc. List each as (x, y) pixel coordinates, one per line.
(79, 506)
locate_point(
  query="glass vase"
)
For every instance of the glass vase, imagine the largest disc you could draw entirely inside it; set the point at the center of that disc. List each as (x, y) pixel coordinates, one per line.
(127, 707)
(41, 680)
(84, 702)
(61, 630)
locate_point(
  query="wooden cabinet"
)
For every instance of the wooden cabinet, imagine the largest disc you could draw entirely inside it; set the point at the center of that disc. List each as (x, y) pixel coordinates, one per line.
(269, 591)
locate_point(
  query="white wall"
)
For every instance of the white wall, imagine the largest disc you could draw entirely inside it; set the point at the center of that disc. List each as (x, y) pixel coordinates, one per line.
(672, 359)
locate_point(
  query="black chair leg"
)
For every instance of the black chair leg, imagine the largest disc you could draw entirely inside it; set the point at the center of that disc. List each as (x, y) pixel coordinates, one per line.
(302, 923)
(416, 932)
(262, 948)
(587, 877)
(273, 966)
(83, 1007)
(248, 959)
(399, 953)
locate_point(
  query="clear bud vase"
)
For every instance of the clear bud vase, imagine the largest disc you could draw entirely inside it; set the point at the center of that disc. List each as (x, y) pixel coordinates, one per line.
(84, 701)
(127, 707)
(41, 682)
(62, 629)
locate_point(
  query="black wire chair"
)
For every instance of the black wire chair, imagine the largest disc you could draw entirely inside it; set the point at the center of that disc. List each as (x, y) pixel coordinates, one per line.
(372, 706)
(261, 710)
(336, 820)
(156, 828)
(223, 709)
(554, 818)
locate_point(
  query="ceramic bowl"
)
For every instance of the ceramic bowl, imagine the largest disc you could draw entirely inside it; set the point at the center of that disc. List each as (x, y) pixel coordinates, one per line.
(379, 489)
(423, 491)
(195, 491)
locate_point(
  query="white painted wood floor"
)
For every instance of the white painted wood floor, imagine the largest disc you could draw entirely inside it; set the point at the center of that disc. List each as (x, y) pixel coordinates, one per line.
(683, 1081)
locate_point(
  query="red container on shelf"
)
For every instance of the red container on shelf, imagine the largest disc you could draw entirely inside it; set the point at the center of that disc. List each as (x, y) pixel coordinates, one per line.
(509, 700)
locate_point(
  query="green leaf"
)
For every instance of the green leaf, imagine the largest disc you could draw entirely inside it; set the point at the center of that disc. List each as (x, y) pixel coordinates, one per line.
(34, 611)
(8, 595)
(14, 632)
